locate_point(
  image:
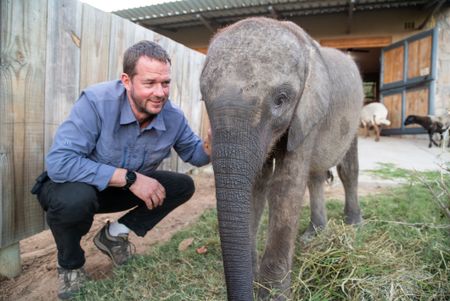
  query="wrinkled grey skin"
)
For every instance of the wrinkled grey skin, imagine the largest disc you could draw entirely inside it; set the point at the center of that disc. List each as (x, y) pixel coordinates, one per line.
(283, 111)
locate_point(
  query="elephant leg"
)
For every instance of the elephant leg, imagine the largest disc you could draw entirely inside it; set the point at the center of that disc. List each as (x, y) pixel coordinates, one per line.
(257, 208)
(284, 198)
(348, 170)
(317, 204)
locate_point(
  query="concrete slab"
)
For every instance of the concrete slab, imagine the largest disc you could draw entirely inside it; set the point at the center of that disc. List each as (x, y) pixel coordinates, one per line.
(405, 152)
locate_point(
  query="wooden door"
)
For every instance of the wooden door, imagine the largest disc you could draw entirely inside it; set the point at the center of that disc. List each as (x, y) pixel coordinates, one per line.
(407, 80)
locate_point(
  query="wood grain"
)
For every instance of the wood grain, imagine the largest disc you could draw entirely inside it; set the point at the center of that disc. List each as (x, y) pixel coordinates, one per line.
(22, 115)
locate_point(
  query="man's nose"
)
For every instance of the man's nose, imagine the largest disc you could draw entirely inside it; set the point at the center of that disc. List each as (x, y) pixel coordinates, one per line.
(159, 90)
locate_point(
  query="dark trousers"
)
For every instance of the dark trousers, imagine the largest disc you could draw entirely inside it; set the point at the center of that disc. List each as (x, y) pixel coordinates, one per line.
(71, 208)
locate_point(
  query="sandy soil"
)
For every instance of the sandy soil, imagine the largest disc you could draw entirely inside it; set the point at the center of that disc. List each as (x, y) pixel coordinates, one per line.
(38, 279)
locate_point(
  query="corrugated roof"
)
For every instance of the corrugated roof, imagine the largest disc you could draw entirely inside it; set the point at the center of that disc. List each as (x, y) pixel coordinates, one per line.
(171, 15)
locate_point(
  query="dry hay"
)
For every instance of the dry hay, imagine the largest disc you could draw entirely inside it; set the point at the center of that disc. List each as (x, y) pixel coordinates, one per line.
(337, 265)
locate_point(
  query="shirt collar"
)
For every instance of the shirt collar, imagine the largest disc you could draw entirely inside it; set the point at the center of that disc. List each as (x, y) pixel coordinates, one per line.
(127, 116)
(158, 122)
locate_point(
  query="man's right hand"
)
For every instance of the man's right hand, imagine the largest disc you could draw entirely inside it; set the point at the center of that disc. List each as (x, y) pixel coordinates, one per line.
(149, 190)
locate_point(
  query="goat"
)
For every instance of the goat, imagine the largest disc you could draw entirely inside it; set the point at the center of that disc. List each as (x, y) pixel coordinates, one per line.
(374, 114)
(433, 124)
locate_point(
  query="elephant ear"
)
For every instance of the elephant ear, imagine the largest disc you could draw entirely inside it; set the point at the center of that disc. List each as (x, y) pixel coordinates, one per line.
(314, 102)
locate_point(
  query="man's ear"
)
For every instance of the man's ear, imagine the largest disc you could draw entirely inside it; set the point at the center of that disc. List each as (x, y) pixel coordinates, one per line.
(126, 80)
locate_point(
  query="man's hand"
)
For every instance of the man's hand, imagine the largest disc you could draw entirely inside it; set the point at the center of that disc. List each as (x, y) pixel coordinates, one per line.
(207, 143)
(149, 190)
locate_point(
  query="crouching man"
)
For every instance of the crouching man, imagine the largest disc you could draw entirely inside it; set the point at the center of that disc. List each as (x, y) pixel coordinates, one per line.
(104, 159)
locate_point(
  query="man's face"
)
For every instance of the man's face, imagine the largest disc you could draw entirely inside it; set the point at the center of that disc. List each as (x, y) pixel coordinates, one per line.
(148, 90)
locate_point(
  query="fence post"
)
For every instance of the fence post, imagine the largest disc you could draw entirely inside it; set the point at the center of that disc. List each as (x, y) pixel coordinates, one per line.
(10, 265)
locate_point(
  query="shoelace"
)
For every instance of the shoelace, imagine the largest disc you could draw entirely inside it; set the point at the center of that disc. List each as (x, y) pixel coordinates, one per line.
(129, 246)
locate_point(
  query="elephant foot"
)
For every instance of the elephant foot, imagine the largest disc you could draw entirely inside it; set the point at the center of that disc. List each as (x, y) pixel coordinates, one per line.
(271, 296)
(310, 233)
(274, 282)
(266, 293)
(354, 219)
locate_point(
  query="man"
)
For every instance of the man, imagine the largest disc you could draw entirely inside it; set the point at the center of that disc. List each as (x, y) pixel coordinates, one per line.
(104, 159)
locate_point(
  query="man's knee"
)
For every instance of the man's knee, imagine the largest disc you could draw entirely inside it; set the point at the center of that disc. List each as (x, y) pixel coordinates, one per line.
(71, 202)
(188, 186)
(177, 185)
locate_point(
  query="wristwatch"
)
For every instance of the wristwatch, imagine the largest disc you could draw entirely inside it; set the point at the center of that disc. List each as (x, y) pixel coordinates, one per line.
(130, 178)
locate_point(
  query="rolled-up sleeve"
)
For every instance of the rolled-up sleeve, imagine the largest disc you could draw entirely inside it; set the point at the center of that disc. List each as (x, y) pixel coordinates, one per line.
(67, 160)
(190, 147)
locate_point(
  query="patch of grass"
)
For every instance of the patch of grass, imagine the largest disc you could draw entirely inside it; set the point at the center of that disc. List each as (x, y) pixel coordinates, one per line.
(165, 273)
(400, 252)
(390, 171)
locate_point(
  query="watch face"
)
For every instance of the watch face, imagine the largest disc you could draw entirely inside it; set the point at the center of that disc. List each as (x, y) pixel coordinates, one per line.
(131, 176)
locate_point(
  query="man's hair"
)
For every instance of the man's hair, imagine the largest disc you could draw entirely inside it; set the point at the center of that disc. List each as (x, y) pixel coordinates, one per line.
(143, 48)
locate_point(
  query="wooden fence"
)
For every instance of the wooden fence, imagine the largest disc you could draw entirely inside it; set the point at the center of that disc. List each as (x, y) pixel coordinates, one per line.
(50, 51)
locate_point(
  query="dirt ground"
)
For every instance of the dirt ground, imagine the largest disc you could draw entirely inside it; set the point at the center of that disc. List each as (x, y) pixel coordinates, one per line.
(38, 253)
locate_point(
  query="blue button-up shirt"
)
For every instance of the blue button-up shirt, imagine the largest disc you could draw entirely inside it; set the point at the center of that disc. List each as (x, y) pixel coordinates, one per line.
(102, 134)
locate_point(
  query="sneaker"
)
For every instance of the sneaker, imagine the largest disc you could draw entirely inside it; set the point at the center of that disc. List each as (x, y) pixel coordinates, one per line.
(70, 282)
(118, 248)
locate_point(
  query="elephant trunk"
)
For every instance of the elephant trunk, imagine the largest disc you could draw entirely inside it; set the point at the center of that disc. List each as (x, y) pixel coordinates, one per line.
(235, 164)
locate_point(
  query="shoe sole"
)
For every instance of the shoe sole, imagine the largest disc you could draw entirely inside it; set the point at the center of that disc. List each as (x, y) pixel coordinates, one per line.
(104, 250)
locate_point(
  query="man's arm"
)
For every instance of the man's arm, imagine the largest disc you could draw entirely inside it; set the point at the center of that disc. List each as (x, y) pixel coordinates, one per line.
(191, 148)
(75, 139)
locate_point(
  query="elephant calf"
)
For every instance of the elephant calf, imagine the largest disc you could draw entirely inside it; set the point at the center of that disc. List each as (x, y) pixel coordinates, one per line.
(283, 111)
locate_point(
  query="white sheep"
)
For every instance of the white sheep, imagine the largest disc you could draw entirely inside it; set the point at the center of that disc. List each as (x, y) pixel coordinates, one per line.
(374, 115)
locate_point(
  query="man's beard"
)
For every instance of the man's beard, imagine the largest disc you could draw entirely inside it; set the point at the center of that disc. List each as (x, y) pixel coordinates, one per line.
(141, 108)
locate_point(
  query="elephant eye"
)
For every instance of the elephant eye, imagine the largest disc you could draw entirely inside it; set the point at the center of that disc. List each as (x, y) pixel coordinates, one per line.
(280, 99)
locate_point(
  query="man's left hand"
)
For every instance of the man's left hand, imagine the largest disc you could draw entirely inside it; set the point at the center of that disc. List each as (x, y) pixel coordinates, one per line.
(207, 147)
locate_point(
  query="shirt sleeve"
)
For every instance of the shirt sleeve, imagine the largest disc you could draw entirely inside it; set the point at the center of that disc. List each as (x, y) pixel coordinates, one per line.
(67, 160)
(190, 147)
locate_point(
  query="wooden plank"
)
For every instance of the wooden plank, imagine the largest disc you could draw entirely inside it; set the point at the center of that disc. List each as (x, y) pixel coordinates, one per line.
(176, 54)
(123, 32)
(393, 104)
(192, 99)
(10, 265)
(203, 50)
(416, 103)
(419, 57)
(22, 77)
(393, 65)
(63, 54)
(196, 60)
(94, 46)
(186, 91)
(364, 42)
(125, 35)
(142, 33)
